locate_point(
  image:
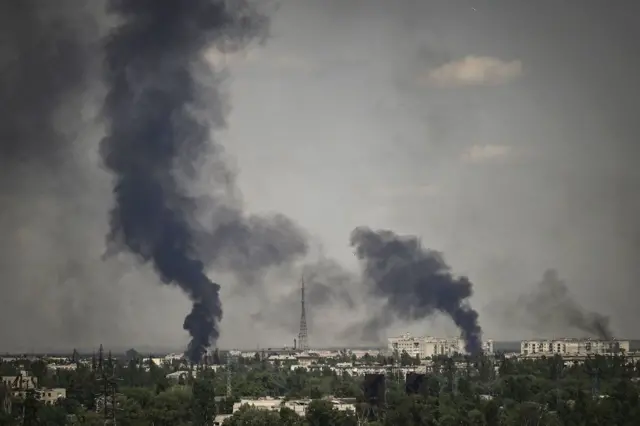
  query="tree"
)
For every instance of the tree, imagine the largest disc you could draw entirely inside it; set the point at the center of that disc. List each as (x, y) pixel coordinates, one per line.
(130, 412)
(204, 404)
(319, 413)
(248, 416)
(288, 417)
(170, 408)
(39, 370)
(405, 359)
(30, 408)
(132, 354)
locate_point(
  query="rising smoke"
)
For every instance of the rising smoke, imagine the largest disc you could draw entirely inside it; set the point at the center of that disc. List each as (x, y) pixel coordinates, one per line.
(414, 282)
(248, 245)
(152, 59)
(156, 137)
(550, 307)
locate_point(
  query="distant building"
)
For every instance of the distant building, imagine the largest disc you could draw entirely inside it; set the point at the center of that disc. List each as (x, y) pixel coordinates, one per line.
(46, 396)
(307, 359)
(178, 376)
(575, 347)
(487, 346)
(220, 418)
(298, 406)
(22, 381)
(19, 385)
(427, 347)
(66, 367)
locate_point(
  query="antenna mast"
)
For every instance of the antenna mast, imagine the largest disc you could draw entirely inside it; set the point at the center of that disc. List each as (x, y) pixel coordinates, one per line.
(229, 389)
(303, 338)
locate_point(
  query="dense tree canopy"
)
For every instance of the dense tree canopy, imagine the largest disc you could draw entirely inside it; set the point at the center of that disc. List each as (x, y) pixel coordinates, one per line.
(494, 391)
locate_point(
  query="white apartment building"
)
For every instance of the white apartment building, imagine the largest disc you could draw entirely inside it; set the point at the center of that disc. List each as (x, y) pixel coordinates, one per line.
(426, 347)
(487, 347)
(573, 347)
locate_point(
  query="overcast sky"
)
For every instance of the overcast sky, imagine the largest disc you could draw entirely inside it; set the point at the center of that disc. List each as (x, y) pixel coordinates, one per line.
(502, 132)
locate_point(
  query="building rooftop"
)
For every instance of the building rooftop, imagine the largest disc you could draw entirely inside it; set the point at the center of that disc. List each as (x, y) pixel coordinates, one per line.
(573, 339)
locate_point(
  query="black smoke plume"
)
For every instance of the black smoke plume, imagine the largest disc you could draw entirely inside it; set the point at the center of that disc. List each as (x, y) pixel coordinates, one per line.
(154, 136)
(414, 282)
(550, 306)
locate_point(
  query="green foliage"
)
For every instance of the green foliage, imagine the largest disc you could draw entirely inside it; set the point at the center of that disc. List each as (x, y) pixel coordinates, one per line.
(461, 391)
(204, 404)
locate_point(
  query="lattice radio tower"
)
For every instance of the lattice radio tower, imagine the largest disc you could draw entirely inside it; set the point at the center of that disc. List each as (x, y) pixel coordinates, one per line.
(303, 337)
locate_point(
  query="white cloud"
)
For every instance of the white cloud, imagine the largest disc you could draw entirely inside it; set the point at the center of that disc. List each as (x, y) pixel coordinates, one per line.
(473, 71)
(485, 153)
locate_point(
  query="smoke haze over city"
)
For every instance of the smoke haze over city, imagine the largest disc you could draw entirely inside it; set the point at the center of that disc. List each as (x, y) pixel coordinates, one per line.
(499, 133)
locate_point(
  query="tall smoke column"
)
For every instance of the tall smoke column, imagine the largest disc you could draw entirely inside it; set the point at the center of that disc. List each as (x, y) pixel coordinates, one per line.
(150, 62)
(415, 282)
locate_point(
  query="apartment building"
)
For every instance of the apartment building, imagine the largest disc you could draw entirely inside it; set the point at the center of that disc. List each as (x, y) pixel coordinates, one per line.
(427, 347)
(567, 346)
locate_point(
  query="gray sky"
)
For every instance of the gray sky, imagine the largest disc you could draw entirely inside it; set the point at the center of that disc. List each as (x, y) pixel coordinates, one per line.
(500, 131)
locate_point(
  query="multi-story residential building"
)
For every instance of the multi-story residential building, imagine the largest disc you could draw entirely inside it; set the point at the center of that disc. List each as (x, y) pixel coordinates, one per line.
(573, 347)
(487, 346)
(426, 347)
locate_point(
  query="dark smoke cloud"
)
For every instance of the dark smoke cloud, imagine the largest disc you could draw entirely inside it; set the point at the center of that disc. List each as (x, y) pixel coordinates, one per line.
(550, 308)
(414, 282)
(154, 136)
(249, 245)
(156, 141)
(42, 64)
(46, 60)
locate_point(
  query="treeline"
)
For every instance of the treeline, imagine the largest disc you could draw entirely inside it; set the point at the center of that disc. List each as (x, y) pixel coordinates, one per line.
(483, 391)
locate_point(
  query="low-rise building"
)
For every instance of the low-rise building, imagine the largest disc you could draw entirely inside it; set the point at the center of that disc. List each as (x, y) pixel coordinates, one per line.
(307, 359)
(178, 376)
(298, 406)
(46, 396)
(565, 346)
(21, 381)
(18, 386)
(65, 367)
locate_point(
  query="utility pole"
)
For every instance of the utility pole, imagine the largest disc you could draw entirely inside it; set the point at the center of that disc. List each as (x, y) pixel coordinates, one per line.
(595, 390)
(109, 387)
